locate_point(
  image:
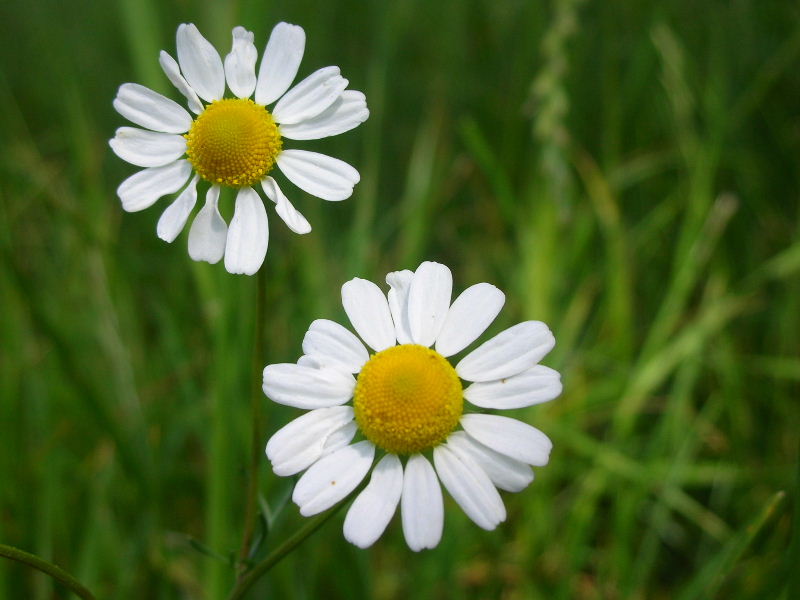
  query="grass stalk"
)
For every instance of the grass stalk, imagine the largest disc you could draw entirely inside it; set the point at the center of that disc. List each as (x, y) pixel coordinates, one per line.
(54, 571)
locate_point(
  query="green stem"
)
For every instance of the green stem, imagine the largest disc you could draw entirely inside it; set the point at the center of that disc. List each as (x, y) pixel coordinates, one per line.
(39, 564)
(247, 581)
(256, 397)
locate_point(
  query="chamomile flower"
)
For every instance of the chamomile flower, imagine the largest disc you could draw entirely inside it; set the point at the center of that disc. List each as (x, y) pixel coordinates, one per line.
(234, 142)
(408, 403)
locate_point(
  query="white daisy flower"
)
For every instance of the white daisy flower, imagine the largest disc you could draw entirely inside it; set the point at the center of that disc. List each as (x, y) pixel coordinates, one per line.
(408, 402)
(234, 142)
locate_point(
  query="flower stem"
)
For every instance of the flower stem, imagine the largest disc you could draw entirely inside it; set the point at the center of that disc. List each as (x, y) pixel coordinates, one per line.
(50, 569)
(249, 578)
(256, 397)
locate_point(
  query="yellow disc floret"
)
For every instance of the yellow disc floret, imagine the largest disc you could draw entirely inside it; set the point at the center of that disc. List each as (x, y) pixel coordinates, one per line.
(233, 142)
(408, 399)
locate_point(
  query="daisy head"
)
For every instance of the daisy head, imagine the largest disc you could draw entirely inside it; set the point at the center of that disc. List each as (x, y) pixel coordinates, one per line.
(234, 141)
(406, 403)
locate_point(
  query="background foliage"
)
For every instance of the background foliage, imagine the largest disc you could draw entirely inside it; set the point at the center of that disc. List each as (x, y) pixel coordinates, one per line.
(626, 171)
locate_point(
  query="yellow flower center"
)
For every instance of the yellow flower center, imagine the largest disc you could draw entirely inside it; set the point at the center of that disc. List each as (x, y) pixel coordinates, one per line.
(233, 142)
(408, 399)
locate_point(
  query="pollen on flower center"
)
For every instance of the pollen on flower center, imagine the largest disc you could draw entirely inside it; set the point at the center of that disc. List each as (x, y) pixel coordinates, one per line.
(408, 399)
(233, 142)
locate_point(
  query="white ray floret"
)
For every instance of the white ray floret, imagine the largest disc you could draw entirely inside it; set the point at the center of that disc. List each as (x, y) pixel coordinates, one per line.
(209, 231)
(332, 478)
(173, 220)
(374, 507)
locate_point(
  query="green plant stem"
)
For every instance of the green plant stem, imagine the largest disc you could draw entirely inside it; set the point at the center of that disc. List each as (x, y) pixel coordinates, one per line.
(50, 569)
(256, 398)
(249, 579)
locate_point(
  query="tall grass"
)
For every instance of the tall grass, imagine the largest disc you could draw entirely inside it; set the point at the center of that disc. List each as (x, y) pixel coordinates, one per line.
(626, 172)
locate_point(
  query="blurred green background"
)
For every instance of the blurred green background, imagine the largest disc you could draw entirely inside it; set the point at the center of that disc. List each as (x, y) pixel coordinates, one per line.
(626, 171)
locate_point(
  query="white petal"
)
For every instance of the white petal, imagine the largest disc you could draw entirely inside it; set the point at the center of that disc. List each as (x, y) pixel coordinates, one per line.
(347, 112)
(534, 386)
(290, 215)
(150, 109)
(373, 508)
(399, 282)
(296, 446)
(506, 473)
(428, 301)
(310, 97)
(316, 362)
(508, 436)
(335, 344)
(147, 148)
(306, 387)
(173, 73)
(142, 189)
(340, 438)
(248, 234)
(240, 64)
(421, 505)
(512, 351)
(174, 218)
(280, 62)
(332, 477)
(318, 174)
(368, 311)
(469, 316)
(470, 487)
(209, 231)
(200, 63)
